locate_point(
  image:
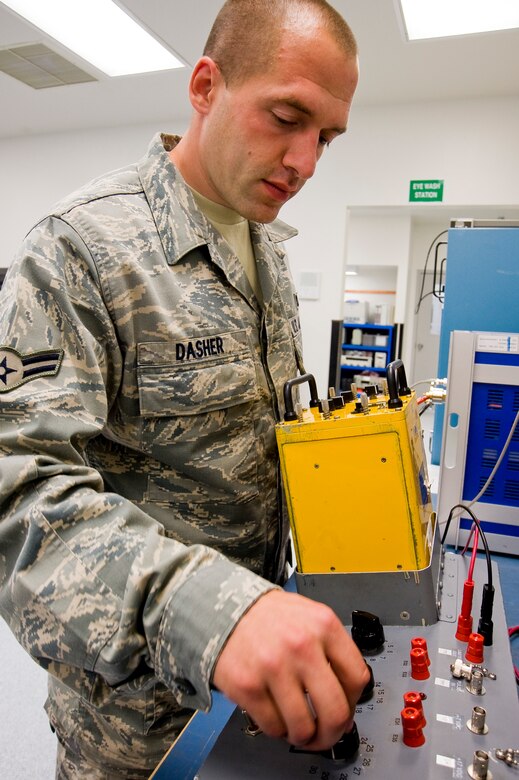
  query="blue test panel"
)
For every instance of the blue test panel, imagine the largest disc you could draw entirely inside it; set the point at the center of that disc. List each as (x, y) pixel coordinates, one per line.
(493, 410)
(481, 293)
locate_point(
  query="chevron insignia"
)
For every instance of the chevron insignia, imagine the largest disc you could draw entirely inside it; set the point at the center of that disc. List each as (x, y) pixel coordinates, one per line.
(17, 369)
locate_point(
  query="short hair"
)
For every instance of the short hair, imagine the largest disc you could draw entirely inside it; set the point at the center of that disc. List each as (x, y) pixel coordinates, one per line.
(246, 34)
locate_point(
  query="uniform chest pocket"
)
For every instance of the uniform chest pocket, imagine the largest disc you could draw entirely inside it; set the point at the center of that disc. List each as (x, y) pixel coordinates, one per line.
(194, 376)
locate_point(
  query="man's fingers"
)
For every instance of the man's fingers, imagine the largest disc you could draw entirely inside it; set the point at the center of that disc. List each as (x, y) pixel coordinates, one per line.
(249, 689)
(333, 711)
(265, 714)
(281, 708)
(314, 719)
(345, 660)
(295, 708)
(350, 669)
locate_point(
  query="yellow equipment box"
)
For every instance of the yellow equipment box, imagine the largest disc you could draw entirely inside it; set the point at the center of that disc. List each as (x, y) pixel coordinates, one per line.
(356, 484)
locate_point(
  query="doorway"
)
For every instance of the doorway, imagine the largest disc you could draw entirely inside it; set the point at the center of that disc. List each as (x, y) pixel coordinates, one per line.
(427, 330)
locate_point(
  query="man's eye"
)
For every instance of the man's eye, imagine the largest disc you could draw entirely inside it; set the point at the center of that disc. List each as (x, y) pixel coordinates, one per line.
(282, 121)
(324, 141)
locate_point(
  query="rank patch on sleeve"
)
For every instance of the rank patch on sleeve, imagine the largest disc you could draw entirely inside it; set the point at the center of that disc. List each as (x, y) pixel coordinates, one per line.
(16, 369)
(295, 324)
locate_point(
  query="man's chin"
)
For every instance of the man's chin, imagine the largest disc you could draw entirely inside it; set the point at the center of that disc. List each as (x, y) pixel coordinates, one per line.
(261, 213)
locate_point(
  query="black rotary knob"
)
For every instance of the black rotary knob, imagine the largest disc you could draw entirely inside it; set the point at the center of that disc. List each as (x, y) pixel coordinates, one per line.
(346, 747)
(367, 631)
(367, 693)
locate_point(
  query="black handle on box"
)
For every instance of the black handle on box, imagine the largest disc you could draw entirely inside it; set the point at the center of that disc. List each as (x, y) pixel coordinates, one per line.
(396, 383)
(290, 414)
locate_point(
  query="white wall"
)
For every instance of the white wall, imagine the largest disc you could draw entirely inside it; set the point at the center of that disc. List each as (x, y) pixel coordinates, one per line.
(470, 144)
(27, 745)
(37, 171)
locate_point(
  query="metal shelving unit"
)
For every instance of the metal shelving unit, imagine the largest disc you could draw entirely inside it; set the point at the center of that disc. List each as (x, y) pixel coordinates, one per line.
(343, 369)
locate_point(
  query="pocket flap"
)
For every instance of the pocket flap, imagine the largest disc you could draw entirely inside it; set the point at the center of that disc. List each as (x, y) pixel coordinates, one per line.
(195, 375)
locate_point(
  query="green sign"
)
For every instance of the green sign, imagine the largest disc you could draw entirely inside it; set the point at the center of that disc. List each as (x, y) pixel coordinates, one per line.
(426, 190)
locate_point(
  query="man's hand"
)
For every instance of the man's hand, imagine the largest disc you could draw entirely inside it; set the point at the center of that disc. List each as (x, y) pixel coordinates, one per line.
(292, 666)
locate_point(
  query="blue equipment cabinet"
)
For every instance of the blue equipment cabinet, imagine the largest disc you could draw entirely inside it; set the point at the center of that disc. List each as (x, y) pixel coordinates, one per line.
(481, 289)
(481, 438)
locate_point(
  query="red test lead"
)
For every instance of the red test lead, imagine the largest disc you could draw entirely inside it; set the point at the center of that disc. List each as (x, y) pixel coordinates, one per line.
(465, 617)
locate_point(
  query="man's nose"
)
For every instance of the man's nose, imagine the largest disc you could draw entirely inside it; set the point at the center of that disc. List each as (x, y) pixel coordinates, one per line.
(302, 155)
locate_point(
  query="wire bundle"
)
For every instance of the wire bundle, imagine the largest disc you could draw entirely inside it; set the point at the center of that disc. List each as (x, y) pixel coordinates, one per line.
(486, 626)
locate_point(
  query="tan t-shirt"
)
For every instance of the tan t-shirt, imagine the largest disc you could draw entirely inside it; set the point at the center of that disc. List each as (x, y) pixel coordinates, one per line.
(235, 229)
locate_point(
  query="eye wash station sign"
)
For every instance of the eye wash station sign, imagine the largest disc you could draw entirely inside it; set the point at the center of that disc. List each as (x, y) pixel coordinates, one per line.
(426, 190)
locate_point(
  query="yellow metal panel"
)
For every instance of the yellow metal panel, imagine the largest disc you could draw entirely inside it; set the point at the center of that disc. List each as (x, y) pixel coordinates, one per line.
(355, 499)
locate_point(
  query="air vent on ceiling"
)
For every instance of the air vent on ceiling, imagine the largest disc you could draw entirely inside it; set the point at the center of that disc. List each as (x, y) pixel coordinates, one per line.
(40, 67)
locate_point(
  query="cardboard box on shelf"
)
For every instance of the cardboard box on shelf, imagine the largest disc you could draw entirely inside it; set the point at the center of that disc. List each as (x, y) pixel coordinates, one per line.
(383, 314)
(355, 311)
(380, 360)
(355, 357)
(367, 378)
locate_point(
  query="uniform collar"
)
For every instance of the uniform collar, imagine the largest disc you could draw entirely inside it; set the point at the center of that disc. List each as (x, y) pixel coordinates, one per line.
(181, 225)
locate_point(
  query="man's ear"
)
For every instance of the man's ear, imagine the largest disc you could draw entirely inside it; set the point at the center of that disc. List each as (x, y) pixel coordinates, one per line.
(205, 81)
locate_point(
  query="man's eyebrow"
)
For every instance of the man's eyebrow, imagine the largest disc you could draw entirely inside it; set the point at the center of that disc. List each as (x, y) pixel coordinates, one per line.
(295, 103)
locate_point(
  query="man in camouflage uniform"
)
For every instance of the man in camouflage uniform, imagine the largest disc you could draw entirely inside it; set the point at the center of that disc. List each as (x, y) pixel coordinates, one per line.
(142, 362)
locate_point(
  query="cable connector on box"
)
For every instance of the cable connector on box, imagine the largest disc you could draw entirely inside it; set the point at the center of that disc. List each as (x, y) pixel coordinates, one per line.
(464, 629)
(486, 626)
(437, 391)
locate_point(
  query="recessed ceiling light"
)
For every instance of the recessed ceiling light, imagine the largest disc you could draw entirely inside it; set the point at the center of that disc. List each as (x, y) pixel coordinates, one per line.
(100, 32)
(443, 18)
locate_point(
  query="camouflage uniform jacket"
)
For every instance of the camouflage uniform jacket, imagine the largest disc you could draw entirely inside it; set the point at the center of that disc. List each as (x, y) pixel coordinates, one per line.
(140, 383)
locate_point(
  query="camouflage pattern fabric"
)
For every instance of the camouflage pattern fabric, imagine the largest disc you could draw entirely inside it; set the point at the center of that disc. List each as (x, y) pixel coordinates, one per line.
(139, 493)
(73, 767)
(123, 740)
